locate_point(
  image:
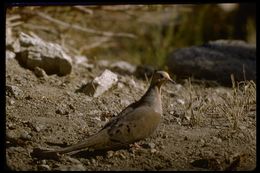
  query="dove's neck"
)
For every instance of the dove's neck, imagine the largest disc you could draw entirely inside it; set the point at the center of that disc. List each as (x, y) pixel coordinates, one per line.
(152, 98)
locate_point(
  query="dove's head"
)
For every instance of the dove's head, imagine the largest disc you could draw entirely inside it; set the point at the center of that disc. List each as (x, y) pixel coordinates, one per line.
(159, 77)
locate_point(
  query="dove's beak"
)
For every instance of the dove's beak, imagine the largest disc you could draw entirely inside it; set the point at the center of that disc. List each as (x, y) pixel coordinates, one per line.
(172, 81)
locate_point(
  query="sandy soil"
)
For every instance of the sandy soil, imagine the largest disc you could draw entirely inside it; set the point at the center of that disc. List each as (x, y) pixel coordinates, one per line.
(193, 134)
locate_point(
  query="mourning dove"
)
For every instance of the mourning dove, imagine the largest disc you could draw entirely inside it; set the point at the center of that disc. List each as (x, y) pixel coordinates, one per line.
(137, 121)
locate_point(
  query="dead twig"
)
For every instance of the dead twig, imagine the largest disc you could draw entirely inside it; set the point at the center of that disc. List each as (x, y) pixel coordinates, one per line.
(89, 30)
(95, 44)
(121, 7)
(84, 9)
(10, 20)
(37, 27)
(13, 17)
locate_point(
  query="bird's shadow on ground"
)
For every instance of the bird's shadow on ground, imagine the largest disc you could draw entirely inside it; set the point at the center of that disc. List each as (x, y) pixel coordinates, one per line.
(88, 154)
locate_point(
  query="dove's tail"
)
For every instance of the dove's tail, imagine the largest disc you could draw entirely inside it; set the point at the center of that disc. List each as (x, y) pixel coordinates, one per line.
(96, 141)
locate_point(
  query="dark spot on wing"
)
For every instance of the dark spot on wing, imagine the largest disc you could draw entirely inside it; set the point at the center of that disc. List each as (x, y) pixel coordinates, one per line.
(115, 140)
(128, 128)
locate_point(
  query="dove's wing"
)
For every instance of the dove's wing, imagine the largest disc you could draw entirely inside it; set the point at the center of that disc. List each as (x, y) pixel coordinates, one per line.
(135, 125)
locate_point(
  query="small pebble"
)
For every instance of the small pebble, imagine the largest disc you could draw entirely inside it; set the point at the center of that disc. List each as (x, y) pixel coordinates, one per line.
(39, 72)
(25, 135)
(164, 136)
(178, 121)
(78, 167)
(73, 160)
(241, 135)
(153, 150)
(110, 154)
(62, 112)
(202, 142)
(151, 145)
(122, 156)
(242, 127)
(180, 101)
(43, 162)
(44, 167)
(11, 126)
(13, 91)
(120, 85)
(218, 140)
(162, 146)
(93, 161)
(28, 97)
(37, 128)
(11, 102)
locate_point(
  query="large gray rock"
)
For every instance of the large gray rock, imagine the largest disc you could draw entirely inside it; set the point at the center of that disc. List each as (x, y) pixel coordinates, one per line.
(216, 61)
(34, 52)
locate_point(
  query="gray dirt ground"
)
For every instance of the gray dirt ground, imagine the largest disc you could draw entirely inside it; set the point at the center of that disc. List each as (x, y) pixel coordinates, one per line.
(47, 112)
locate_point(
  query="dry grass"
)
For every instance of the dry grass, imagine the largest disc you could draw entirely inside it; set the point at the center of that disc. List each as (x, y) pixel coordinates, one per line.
(216, 106)
(242, 100)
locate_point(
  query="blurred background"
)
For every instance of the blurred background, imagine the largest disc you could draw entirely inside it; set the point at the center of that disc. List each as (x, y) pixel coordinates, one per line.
(140, 34)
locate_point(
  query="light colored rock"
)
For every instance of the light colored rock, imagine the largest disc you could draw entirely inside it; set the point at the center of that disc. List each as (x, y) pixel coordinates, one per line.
(110, 154)
(9, 36)
(44, 167)
(120, 85)
(73, 160)
(122, 156)
(180, 101)
(38, 127)
(39, 72)
(11, 102)
(151, 145)
(12, 90)
(80, 59)
(217, 140)
(25, 135)
(83, 61)
(123, 67)
(9, 54)
(100, 84)
(202, 142)
(34, 52)
(103, 63)
(76, 167)
(153, 150)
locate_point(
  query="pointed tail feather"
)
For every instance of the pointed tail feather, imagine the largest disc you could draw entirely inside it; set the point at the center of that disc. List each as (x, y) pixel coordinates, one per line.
(96, 141)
